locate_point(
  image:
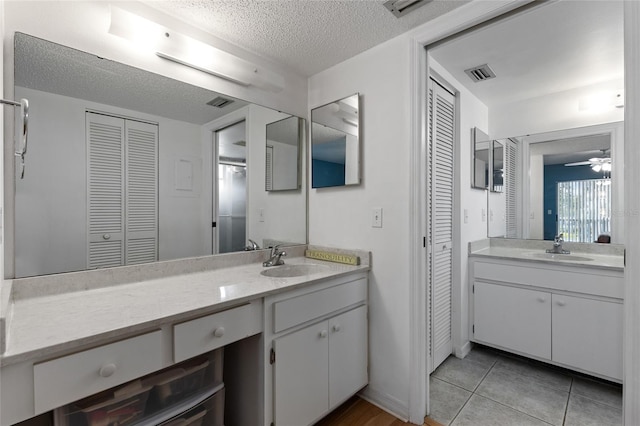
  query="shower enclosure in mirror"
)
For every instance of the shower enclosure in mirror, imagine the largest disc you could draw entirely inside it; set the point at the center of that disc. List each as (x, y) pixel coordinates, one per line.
(123, 167)
(335, 143)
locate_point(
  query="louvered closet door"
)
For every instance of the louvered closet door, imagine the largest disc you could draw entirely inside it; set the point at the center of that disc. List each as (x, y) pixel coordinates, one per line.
(105, 176)
(141, 192)
(441, 173)
(510, 185)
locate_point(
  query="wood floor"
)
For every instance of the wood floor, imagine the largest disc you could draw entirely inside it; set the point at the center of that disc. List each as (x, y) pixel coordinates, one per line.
(358, 412)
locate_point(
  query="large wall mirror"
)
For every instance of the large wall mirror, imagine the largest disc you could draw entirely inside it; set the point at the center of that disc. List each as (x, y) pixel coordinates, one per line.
(335, 143)
(126, 166)
(553, 101)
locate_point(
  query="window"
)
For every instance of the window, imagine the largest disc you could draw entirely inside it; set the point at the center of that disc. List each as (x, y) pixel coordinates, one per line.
(584, 209)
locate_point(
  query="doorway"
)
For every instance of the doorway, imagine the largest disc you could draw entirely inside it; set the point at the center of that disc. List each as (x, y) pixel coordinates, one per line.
(230, 189)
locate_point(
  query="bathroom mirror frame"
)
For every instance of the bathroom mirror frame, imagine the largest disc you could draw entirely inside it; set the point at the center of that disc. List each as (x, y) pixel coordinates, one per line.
(480, 159)
(340, 163)
(11, 249)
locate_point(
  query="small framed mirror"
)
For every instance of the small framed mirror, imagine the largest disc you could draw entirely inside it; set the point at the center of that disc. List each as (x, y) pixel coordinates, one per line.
(497, 166)
(283, 159)
(335, 143)
(481, 146)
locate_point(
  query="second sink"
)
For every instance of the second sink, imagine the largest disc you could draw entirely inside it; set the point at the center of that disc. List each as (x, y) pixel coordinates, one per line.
(287, 271)
(555, 256)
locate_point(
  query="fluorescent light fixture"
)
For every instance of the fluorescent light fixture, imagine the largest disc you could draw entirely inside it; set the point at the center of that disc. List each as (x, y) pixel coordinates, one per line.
(187, 51)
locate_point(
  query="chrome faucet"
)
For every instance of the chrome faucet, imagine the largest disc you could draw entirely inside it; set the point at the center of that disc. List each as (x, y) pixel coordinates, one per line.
(252, 245)
(557, 246)
(275, 258)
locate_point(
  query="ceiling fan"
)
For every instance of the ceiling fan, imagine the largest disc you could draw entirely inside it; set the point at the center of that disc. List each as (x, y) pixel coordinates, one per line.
(597, 163)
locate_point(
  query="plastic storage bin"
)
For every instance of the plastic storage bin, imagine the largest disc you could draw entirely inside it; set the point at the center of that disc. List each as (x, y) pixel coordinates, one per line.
(209, 413)
(120, 406)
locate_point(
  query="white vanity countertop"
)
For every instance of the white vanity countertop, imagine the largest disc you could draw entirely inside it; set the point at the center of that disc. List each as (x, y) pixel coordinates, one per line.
(609, 257)
(45, 326)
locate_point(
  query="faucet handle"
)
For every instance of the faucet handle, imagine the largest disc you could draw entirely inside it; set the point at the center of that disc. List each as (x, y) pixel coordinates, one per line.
(558, 238)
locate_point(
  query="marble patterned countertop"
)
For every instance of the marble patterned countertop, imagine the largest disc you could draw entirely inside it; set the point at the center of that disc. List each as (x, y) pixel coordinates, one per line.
(46, 322)
(597, 256)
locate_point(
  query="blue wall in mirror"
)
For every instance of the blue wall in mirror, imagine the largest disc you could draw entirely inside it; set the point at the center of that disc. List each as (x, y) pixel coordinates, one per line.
(552, 175)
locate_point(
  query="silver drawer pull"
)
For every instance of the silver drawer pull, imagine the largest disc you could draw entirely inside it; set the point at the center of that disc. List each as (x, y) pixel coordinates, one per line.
(106, 236)
(107, 370)
(218, 332)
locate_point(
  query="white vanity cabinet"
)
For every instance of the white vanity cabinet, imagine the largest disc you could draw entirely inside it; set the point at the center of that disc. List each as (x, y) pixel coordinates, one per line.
(587, 334)
(515, 318)
(320, 359)
(566, 315)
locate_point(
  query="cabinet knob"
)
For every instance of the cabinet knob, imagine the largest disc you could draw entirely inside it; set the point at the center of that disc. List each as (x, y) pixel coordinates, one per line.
(542, 299)
(218, 332)
(336, 328)
(107, 370)
(322, 334)
(561, 303)
(106, 236)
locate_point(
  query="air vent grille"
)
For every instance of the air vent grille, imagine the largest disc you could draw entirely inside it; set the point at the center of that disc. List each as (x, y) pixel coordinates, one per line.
(220, 102)
(480, 73)
(399, 8)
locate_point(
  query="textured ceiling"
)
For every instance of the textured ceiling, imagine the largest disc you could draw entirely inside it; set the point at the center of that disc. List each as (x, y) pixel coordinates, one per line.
(50, 67)
(308, 36)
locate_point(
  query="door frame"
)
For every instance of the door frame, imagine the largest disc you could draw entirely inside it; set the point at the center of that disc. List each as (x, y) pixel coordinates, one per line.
(456, 21)
(452, 23)
(210, 150)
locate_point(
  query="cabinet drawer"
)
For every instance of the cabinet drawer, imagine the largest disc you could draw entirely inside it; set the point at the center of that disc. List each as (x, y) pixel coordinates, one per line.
(204, 334)
(63, 380)
(297, 310)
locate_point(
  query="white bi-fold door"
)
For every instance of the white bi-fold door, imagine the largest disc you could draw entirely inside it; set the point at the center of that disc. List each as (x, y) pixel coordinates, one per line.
(122, 191)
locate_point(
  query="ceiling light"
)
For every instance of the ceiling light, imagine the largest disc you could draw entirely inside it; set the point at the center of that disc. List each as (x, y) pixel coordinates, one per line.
(400, 8)
(190, 52)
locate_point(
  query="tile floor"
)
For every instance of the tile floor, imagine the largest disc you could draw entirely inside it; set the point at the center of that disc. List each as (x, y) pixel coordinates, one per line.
(490, 387)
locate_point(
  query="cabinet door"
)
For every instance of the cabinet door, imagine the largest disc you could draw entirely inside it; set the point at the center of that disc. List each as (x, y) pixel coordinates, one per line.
(347, 355)
(587, 334)
(513, 318)
(301, 376)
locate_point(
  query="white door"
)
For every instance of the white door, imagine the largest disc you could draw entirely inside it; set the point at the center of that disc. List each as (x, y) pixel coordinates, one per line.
(105, 186)
(513, 318)
(347, 355)
(440, 172)
(141, 165)
(122, 191)
(301, 376)
(587, 334)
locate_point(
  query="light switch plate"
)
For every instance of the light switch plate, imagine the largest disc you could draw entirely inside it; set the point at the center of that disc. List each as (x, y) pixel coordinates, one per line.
(376, 218)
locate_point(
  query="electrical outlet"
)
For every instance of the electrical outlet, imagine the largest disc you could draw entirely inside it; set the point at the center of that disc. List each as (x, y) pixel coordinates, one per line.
(484, 215)
(466, 216)
(261, 215)
(376, 219)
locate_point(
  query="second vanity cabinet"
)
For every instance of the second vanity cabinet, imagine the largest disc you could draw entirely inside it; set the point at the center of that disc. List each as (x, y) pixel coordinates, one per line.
(569, 316)
(318, 351)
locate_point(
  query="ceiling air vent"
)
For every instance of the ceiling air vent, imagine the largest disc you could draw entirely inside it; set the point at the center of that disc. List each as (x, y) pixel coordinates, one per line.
(480, 73)
(402, 7)
(220, 102)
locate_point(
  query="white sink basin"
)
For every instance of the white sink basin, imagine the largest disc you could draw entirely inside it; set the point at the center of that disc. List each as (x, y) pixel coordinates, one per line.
(554, 256)
(288, 271)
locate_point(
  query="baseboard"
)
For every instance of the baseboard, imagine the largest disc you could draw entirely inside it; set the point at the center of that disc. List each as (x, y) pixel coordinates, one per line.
(385, 402)
(463, 351)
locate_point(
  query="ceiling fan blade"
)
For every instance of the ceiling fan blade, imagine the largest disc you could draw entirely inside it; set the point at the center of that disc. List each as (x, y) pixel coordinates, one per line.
(579, 163)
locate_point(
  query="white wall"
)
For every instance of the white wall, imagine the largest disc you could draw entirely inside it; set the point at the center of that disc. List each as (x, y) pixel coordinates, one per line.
(51, 201)
(341, 216)
(496, 214)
